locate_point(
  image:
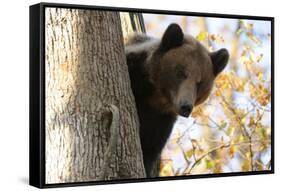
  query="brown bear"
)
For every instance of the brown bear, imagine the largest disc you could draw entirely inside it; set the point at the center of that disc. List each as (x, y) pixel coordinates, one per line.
(169, 76)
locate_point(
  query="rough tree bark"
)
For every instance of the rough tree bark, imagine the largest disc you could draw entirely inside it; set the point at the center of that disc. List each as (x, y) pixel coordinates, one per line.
(91, 119)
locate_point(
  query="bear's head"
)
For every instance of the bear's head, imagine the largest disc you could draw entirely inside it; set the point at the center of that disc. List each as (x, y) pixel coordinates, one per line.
(183, 71)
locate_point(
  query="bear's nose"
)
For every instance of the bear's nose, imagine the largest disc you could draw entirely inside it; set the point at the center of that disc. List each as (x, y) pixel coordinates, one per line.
(185, 110)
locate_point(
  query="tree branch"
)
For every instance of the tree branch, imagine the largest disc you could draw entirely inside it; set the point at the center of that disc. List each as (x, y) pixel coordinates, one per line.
(213, 150)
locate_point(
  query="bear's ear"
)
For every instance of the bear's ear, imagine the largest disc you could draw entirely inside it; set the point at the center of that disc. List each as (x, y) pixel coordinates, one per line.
(219, 60)
(172, 37)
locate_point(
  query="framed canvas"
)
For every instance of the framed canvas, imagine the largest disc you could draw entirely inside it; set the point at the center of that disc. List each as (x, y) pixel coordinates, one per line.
(127, 95)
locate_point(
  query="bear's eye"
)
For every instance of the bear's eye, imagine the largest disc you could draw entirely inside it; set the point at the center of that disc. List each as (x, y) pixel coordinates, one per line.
(181, 74)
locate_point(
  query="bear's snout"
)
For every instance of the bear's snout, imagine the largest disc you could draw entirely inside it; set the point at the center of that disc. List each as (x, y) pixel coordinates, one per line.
(185, 109)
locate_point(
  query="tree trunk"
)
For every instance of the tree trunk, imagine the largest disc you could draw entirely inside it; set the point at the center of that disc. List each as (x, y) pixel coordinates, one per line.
(91, 120)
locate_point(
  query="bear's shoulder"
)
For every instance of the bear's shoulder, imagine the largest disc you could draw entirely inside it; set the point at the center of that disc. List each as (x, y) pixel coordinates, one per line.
(139, 43)
(137, 38)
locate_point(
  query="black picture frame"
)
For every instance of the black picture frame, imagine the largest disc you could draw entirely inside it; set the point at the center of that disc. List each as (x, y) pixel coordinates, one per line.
(37, 94)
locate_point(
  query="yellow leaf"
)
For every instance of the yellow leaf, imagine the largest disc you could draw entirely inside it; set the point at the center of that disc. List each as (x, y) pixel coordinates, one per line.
(260, 76)
(223, 124)
(216, 38)
(189, 153)
(202, 36)
(256, 40)
(196, 112)
(262, 132)
(259, 57)
(241, 138)
(166, 168)
(231, 151)
(245, 60)
(251, 121)
(239, 31)
(218, 92)
(239, 83)
(209, 163)
(246, 166)
(243, 120)
(230, 131)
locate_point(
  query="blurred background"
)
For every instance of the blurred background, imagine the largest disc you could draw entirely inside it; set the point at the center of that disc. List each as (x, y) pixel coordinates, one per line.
(231, 131)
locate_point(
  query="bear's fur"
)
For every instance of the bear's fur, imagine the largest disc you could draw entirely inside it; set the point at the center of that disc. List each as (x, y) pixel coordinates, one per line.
(169, 76)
